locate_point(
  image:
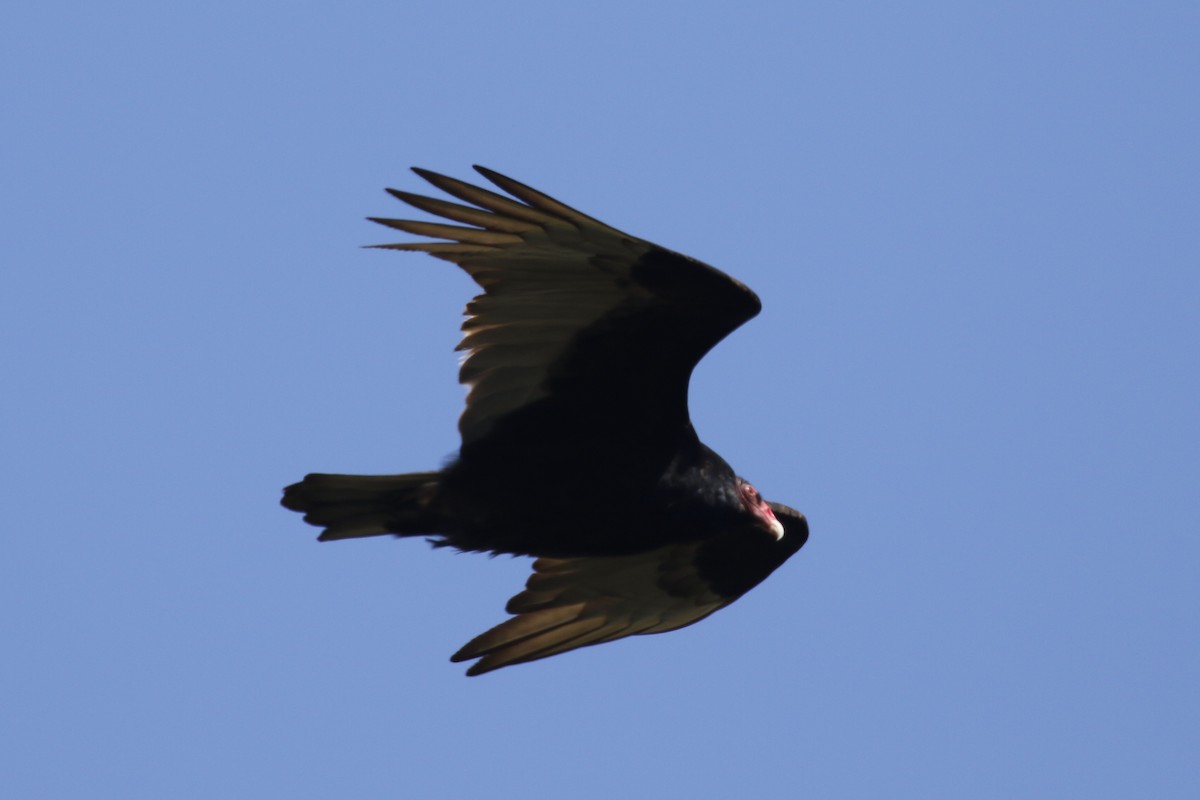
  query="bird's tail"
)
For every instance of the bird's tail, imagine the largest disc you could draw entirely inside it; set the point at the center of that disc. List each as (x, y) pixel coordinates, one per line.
(350, 506)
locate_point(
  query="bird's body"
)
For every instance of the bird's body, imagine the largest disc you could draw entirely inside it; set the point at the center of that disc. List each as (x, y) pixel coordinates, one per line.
(577, 446)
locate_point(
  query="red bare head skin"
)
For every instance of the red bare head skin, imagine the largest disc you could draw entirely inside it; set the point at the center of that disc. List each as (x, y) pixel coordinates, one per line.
(756, 505)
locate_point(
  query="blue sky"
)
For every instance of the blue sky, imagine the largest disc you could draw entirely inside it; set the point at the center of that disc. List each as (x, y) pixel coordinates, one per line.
(976, 232)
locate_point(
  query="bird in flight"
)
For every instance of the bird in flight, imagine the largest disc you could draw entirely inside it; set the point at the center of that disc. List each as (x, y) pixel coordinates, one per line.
(577, 448)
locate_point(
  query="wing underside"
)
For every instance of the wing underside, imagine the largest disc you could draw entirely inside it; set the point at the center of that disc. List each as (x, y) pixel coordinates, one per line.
(570, 306)
(576, 602)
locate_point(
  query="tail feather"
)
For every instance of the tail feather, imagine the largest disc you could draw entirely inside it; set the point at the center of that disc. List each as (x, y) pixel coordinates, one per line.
(352, 506)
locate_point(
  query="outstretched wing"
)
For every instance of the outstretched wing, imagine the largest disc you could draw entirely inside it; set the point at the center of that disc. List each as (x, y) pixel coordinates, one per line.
(570, 603)
(572, 310)
(575, 602)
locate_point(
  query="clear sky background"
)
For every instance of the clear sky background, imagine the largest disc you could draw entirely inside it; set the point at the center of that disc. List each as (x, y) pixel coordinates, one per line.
(975, 228)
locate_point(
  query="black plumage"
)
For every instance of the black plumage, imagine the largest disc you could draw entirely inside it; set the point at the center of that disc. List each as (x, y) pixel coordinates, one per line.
(577, 447)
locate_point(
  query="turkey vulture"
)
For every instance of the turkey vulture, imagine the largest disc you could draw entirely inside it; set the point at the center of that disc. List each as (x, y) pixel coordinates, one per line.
(576, 443)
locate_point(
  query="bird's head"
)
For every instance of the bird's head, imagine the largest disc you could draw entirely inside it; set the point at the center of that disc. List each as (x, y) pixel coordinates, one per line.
(754, 503)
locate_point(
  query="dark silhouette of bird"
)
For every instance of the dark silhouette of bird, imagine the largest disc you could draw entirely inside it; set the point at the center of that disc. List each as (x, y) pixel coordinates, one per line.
(577, 448)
